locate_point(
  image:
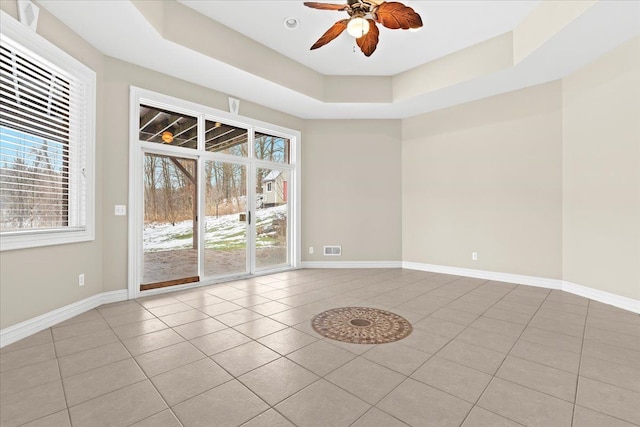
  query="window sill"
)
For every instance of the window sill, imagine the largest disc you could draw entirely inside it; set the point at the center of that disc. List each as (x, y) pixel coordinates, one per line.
(35, 240)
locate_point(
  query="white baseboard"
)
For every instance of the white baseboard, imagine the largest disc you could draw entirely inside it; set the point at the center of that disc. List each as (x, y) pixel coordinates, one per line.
(351, 264)
(114, 296)
(519, 279)
(625, 303)
(619, 301)
(22, 330)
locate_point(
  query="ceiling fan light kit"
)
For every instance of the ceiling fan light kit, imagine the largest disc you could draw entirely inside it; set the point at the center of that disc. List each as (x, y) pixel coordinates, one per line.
(358, 27)
(363, 16)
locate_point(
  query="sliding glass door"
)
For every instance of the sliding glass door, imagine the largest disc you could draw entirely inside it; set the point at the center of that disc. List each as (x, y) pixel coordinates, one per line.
(226, 219)
(271, 236)
(170, 227)
(215, 196)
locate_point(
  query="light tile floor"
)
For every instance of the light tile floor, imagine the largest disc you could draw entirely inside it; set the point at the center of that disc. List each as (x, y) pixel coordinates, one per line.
(243, 353)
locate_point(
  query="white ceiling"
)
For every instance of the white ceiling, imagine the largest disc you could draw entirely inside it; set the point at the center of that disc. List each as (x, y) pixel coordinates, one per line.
(120, 30)
(448, 27)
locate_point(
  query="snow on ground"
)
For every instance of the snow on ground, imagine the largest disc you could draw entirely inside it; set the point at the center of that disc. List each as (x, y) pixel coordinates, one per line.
(222, 232)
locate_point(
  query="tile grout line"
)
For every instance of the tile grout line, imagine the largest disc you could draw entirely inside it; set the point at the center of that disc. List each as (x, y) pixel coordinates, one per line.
(61, 378)
(139, 367)
(64, 394)
(237, 378)
(506, 355)
(64, 389)
(607, 382)
(450, 340)
(604, 382)
(169, 407)
(584, 331)
(141, 370)
(381, 280)
(409, 376)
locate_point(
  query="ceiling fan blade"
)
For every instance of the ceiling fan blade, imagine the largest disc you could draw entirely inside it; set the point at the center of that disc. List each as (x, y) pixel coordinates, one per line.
(395, 15)
(369, 41)
(326, 6)
(333, 32)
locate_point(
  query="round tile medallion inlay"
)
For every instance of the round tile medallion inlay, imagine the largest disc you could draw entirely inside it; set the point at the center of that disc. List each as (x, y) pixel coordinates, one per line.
(361, 325)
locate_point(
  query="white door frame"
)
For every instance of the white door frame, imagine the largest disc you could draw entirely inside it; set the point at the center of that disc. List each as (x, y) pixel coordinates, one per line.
(137, 148)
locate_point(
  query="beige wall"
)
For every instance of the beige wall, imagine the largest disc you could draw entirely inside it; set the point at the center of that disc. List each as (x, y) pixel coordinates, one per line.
(36, 281)
(601, 173)
(351, 189)
(486, 177)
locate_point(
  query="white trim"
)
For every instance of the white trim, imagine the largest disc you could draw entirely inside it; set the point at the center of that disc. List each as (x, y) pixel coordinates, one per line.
(295, 190)
(519, 279)
(134, 228)
(29, 327)
(351, 264)
(619, 301)
(625, 303)
(113, 296)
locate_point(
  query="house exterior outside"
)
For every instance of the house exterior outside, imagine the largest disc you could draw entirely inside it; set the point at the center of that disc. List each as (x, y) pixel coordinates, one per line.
(274, 189)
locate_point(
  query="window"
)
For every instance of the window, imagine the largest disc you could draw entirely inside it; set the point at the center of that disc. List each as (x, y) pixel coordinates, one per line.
(166, 127)
(226, 139)
(46, 142)
(271, 148)
(268, 187)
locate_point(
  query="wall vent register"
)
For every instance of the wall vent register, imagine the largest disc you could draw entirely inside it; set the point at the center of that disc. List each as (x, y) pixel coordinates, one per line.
(333, 250)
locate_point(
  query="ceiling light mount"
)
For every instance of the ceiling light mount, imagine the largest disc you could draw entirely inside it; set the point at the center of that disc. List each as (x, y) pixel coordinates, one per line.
(167, 137)
(291, 23)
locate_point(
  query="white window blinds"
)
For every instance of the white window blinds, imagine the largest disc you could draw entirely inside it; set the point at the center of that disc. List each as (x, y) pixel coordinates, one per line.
(43, 183)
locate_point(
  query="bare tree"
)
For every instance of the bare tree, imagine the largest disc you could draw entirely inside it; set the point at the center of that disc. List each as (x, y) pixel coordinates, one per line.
(33, 190)
(150, 196)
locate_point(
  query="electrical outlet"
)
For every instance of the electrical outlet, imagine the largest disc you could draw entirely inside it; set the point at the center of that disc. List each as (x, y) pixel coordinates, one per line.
(81, 279)
(311, 249)
(474, 256)
(120, 210)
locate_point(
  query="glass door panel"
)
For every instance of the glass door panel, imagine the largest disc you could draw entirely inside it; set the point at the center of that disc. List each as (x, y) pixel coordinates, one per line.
(272, 195)
(170, 233)
(225, 241)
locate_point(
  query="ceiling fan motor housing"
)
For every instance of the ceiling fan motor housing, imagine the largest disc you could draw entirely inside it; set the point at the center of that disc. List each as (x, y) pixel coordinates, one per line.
(359, 8)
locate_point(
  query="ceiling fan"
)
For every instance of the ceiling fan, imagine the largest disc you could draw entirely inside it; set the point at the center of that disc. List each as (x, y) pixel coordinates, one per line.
(363, 15)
